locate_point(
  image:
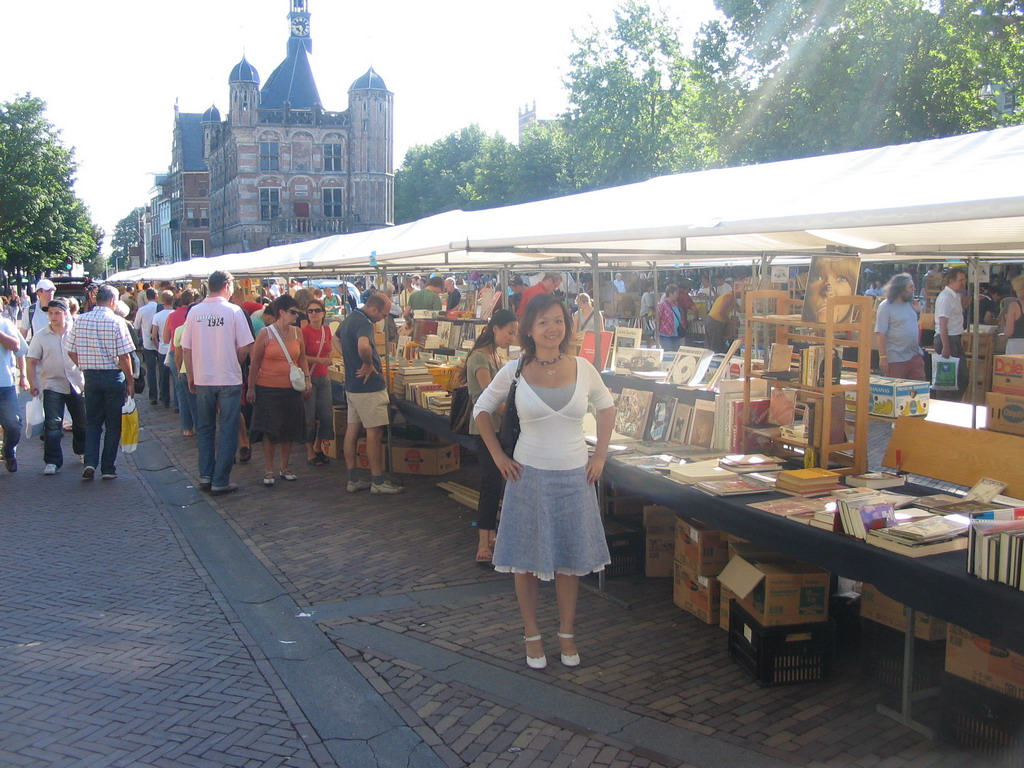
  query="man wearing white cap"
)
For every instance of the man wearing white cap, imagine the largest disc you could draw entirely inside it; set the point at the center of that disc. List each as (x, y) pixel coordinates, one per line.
(36, 318)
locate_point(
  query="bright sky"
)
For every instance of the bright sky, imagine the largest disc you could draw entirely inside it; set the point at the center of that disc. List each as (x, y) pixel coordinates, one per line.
(110, 73)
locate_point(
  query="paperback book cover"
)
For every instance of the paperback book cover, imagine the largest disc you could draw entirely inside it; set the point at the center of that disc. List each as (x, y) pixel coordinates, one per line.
(640, 359)
(702, 424)
(626, 339)
(661, 416)
(689, 366)
(679, 428)
(830, 276)
(589, 345)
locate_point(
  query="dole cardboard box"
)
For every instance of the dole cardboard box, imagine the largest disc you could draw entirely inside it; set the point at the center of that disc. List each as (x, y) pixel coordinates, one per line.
(778, 593)
(898, 397)
(1005, 412)
(424, 458)
(704, 550)
(884, 610)
(363, 460)
(333, 449)
(976, 659)
(659, 555)
(1008, 374)
(695, 594)
(659, 519)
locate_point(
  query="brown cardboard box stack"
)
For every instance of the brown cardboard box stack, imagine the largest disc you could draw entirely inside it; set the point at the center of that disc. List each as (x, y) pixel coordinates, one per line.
(701, 552)
(1006, 400)
(412, 458)
(660, 535)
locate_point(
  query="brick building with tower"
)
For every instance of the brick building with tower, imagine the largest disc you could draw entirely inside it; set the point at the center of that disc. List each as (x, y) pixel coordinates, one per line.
(279, 168)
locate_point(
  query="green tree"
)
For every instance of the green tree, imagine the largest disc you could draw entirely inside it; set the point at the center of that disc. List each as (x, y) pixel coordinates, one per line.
(42, 224)
(127, 234)
(837, 76)
(636, 103)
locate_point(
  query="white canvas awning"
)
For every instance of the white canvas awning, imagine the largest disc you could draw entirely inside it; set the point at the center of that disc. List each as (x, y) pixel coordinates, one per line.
(959, 195)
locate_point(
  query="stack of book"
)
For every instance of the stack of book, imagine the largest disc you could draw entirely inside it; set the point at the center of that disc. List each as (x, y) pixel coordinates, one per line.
(926, 536)
(737, 486)
(859, 517)
(807, 481)
(742, 463)
(412, 372)
(699, 472)
(996, 548)
(876, 480)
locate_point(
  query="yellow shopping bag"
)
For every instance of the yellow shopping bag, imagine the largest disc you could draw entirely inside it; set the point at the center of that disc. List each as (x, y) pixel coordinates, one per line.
(129, 426)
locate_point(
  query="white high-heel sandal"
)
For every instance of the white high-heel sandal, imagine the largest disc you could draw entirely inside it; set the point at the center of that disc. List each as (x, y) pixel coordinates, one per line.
(569, 660)
(538, 662)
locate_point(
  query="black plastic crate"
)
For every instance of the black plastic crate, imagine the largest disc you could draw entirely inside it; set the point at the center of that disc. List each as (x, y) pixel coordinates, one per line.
(881, 657)
(627, 553)
(796, 653)
(984, 720)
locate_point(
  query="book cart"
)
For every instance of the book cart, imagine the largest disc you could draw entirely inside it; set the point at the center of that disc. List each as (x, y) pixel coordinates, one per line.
(769, 320)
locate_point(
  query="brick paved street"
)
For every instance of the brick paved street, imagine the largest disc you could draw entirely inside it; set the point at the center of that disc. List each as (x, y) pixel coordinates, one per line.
(301, 625)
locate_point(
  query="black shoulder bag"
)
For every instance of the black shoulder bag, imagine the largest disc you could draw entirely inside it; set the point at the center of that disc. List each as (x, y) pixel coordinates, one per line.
(462, 411)
(508, 435)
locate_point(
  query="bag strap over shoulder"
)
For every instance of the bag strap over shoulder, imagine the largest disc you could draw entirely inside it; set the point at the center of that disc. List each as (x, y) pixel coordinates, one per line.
(284, 347)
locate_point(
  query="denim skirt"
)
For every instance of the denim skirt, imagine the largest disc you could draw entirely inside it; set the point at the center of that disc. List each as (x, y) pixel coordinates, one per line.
(550, 523)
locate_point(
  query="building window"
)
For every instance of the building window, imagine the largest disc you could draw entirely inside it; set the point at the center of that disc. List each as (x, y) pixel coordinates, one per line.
(332, 157)
(333, 203)
(269, 154)
(196, 249)
(270, 203)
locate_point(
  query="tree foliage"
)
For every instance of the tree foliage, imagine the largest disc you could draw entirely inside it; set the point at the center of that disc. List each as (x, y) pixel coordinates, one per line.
(769, 80)
(43, 225)
(127, 234)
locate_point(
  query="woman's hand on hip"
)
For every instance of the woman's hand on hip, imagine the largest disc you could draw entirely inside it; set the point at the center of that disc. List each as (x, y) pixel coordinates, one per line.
(509, 467)
(595, 467)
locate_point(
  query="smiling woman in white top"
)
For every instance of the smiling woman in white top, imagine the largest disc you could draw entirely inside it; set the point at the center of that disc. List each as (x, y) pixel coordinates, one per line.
(550, 523)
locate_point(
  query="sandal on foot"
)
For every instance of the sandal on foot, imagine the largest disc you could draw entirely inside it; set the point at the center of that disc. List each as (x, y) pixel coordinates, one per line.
(287, 474)
(569, 660)
(484, 555)
(268, 479)
(322, 458)
(244, 453)
(535, 662)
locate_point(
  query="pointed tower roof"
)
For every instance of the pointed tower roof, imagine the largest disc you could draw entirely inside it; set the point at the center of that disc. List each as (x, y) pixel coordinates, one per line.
(244, 72)
(371, 81)
(292, 82)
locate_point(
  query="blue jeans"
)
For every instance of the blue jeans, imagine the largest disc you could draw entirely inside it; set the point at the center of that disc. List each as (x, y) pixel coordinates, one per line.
(104, 398)
(217, 408)
(163, 374)
(186, 404)
(151, 359)
(10, 420)
(53, 412)
(669, 343)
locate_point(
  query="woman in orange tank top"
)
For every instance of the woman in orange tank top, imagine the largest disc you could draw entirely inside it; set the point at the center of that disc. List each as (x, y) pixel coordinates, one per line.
(278, 414)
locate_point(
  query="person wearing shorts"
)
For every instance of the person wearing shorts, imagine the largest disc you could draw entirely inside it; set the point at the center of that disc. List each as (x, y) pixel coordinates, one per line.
(366, 392)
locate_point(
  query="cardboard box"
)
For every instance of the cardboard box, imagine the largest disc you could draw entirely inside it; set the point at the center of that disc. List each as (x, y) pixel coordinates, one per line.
(884, 610)
(659, 555)
(776, 594)
(704, 550)
(363, 460)
(333, 449)
(695, 594)
(976, 659)
(1008, 374)
(898, 397)
(1005, 412)
(659, 519)
(424, 458)
(340, 422)
(725, 595)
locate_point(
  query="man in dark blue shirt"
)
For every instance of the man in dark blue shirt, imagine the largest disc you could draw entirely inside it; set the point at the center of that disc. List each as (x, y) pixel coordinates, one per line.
(366, 392)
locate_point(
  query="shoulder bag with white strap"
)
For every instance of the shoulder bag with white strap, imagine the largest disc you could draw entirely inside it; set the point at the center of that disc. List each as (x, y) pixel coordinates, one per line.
(295, 374)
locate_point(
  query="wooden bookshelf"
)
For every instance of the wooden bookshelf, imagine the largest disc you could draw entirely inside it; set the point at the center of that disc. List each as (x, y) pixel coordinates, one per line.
(772, 318)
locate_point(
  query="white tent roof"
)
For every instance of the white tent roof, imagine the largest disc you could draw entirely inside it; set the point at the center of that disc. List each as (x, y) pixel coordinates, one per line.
(962, 194)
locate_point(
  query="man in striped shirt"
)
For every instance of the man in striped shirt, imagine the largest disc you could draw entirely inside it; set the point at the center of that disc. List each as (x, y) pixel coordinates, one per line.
(99, 343)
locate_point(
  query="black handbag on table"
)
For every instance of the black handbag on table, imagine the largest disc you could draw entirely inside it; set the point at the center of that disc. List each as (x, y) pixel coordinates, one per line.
(462, 411)
(508, 435)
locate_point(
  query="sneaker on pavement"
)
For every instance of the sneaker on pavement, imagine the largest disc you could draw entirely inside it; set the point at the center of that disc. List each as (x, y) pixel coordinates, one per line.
(109, 476)
(11, 464)
(51, 469)
(386, 487)
(205, 483)
(89, 473)
(221, 490)
(357, 485)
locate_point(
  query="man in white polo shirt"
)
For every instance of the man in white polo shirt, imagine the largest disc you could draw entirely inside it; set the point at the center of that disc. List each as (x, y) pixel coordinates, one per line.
(215, 339)
(949, 328)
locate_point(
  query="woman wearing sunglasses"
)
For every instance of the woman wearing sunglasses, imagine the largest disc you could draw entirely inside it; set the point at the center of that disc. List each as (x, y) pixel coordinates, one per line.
(320, 403)
(278, 413)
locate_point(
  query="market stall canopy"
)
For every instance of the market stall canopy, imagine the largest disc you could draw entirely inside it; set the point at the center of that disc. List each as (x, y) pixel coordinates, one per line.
(959, 195)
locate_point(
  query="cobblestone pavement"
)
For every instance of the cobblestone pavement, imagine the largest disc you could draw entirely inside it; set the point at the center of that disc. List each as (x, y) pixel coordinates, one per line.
(391, 582)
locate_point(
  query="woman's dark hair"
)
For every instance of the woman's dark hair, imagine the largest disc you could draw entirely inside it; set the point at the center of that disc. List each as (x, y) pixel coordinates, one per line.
(537, 306)
(499, 319)
(671, 288)
(318, 302)
(282, 304)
